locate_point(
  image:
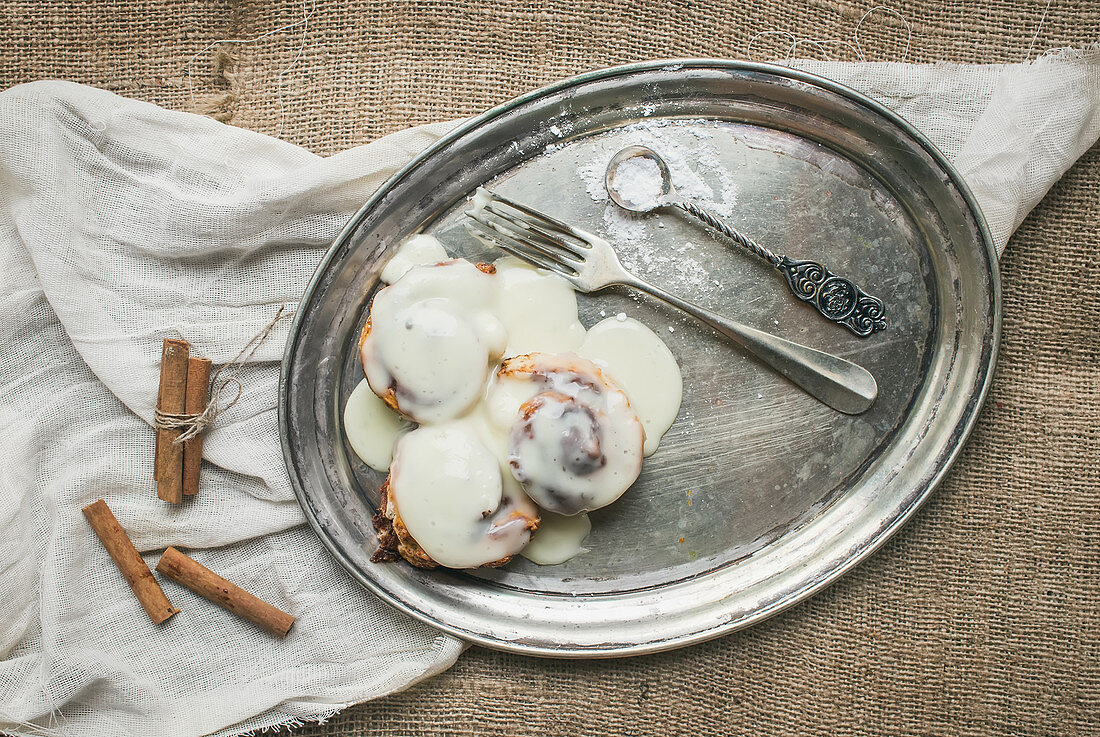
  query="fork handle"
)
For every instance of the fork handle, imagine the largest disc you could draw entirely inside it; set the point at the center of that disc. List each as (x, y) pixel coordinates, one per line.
(837, 382)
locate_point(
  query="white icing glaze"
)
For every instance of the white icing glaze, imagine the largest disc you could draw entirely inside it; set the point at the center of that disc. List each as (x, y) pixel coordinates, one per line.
(575, 443)
(643, 367)
(417, 250)
(478, 202)
(558, 539)
(372, 427)
(450, 493)
(433, 338)
(537, 308)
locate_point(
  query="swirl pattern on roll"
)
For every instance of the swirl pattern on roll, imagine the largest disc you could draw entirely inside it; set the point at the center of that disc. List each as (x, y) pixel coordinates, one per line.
(575, 442)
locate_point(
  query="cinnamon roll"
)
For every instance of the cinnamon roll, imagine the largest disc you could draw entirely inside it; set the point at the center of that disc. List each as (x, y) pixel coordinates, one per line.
(574, 442)
(431, 339)
(446, 502)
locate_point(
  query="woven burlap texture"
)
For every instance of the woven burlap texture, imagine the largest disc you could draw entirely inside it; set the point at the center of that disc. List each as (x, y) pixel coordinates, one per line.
(982, 616)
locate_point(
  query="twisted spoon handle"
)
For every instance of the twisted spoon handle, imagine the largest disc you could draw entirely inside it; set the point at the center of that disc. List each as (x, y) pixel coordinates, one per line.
(836, 298)
(744, 241)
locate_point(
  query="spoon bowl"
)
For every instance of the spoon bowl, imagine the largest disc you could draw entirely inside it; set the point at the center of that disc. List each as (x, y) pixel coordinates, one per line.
(631, 186)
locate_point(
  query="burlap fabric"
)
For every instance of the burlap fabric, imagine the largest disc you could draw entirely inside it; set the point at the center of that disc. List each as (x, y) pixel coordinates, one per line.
(982, 616)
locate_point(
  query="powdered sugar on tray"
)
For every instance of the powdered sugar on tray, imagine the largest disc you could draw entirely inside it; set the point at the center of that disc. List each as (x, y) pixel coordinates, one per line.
(679, 261)
(623, 226)
(690, 155)
(591, 173)
(693, 159)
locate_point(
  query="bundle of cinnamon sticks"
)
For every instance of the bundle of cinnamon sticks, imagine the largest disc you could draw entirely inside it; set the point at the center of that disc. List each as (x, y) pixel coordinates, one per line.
(184, 392)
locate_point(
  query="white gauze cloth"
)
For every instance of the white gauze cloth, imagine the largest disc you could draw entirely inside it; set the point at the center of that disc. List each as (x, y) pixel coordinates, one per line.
(122, 224)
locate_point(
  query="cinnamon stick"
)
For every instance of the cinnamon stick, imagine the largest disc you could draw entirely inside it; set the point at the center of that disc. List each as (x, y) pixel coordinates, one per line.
(171, 399)
(204, 582)
(197, 395)
(129, 561)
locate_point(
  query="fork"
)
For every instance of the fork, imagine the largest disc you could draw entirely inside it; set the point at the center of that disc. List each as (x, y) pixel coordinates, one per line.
(589, 263)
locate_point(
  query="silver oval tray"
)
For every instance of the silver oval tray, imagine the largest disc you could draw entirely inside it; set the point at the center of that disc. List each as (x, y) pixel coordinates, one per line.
(759, 495)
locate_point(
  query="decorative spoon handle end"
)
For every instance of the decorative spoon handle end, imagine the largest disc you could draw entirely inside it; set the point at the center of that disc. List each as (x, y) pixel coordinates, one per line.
(836, 298)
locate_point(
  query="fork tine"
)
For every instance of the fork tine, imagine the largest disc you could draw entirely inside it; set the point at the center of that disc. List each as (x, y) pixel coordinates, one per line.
(522, 232)
(516, 248)
(581, 235)
(551, 236)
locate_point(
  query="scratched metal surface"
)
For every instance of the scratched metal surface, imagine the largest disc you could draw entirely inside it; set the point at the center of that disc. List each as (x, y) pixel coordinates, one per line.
(758, 495)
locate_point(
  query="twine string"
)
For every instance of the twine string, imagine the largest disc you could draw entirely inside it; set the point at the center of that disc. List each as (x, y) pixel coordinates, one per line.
(196, 424)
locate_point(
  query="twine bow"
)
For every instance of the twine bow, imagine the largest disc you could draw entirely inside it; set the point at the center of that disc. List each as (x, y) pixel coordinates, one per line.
(196, 424)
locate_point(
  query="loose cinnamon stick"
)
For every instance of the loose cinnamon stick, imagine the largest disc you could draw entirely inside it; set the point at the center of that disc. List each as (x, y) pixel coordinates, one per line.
(204, 582)
(129, 561)
(171, 399)
(197, 395)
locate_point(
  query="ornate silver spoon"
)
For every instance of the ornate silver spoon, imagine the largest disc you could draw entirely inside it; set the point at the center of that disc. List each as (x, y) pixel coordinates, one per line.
(633, 185)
